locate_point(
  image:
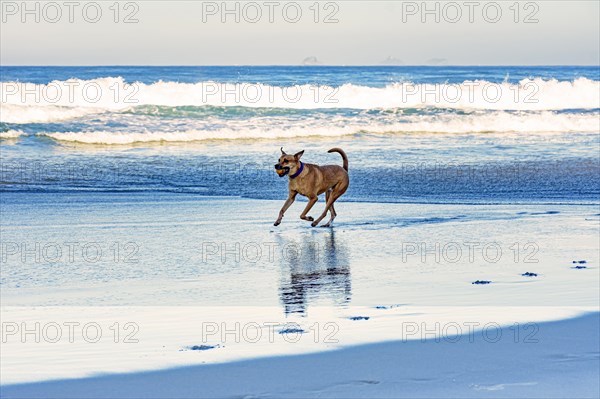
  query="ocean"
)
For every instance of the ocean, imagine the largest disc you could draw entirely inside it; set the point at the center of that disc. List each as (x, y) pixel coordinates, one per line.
(413, 134)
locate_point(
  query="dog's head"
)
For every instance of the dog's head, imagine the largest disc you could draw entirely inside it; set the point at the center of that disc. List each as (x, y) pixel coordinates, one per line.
(288, 164)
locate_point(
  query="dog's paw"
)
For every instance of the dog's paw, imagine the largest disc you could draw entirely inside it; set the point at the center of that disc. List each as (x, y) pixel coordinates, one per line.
(314, 224)
(326, 225)
(309, 218)
(277, 223)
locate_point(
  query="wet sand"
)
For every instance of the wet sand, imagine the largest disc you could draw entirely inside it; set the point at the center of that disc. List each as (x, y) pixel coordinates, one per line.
(174, 264)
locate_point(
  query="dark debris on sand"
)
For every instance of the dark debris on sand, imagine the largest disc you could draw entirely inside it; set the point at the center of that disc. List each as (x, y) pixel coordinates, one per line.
(201, 347)
(529, 274)
(385, 307)
(481, 282)
(292, 331)
(359, 318)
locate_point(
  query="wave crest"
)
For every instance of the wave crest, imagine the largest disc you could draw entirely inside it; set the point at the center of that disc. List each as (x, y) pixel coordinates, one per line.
(27, 102)
(498, 121)
(11, 134)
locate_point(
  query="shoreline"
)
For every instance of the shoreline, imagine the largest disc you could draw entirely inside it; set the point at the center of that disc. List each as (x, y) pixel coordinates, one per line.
(201, 196)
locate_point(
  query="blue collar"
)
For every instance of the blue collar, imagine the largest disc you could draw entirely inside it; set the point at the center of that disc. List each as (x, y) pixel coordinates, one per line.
(298, 172)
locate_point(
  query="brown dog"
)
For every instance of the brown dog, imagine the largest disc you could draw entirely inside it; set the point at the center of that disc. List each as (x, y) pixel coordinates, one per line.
(311, 181)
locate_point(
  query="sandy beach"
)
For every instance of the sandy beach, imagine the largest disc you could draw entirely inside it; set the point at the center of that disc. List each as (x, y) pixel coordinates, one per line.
(560, 361)
(404, 279)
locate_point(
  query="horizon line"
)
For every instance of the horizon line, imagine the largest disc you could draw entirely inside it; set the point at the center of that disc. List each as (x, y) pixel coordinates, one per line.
(300, 65)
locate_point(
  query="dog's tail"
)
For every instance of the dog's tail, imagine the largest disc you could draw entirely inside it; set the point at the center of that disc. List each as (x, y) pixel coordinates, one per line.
(343, 154)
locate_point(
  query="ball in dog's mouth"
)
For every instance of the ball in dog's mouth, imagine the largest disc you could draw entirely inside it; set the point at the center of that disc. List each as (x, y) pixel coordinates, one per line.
(282, 172)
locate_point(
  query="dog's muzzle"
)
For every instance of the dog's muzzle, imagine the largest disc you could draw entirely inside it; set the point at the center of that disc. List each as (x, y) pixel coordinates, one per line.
(281, 170)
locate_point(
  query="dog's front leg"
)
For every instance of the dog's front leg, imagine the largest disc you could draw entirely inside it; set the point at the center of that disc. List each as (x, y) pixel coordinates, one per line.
(311, 202)
(286, 205)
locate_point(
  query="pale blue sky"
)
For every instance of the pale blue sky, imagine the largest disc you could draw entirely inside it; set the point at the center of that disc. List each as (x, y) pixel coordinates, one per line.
(366, 33)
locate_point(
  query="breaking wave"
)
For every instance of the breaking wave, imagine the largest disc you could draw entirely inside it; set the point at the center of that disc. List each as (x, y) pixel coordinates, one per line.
(11, 134)
(497, 121)
(59, 100)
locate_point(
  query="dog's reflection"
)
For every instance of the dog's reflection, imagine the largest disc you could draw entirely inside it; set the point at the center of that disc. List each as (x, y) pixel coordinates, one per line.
(315, 270)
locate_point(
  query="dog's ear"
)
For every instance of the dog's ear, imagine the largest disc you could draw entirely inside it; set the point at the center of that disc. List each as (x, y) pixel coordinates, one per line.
(283, 152)
(298, 155)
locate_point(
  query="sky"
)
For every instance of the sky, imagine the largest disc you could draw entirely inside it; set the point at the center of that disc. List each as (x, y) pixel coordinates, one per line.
(293, 33)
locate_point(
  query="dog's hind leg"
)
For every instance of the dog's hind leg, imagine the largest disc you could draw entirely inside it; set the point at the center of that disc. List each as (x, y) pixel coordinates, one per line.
(337, 192)
(311, 201)
(331, 210)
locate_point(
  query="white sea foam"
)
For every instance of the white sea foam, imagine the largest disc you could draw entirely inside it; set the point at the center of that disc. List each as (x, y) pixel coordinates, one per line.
(11, 134)
(14, 113)
(497, 121)
(41, 102)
